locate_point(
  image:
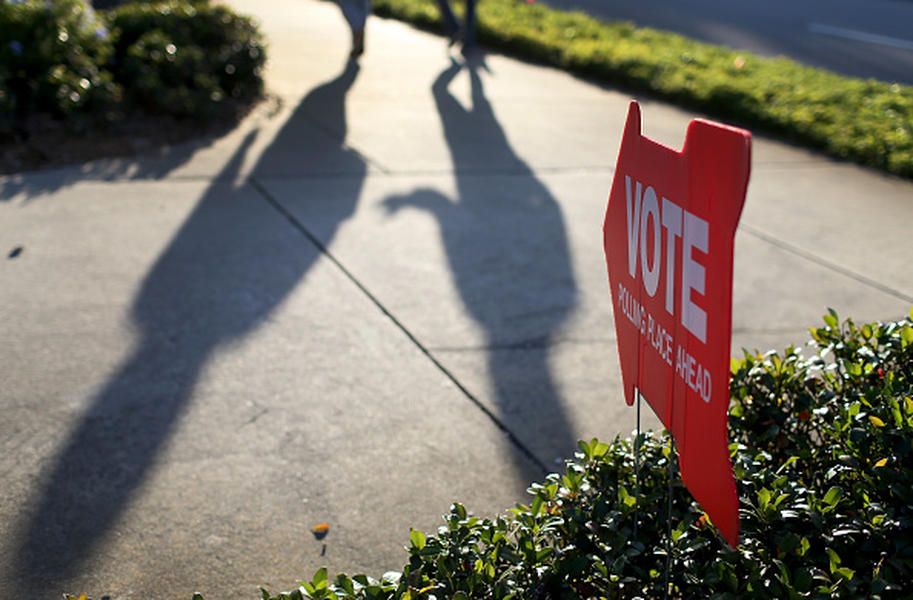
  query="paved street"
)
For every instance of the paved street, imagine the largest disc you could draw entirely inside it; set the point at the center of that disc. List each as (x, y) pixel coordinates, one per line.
(384, 293)
(859, 38)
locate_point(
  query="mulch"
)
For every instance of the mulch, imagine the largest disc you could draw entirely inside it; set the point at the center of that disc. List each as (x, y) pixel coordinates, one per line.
(42, 142)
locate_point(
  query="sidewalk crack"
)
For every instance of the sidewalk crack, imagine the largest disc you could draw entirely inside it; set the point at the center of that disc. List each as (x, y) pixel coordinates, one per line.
(823, 262)
(322, 248)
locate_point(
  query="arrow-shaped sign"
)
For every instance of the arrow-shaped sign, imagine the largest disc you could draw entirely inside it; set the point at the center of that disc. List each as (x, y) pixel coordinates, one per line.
(669, 234)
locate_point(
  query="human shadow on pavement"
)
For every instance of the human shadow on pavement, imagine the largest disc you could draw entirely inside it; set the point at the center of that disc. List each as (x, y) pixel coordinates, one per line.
(228, 267)
(508, 253)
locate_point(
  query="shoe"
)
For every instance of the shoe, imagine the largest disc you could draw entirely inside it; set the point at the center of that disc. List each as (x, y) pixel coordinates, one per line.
(454, 36)
(358, 43)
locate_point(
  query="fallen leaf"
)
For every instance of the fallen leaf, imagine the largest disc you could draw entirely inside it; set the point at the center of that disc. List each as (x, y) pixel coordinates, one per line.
(320, 530)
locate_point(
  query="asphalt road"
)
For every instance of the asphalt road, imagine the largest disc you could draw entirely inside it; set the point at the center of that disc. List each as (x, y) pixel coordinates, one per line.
(860, 38)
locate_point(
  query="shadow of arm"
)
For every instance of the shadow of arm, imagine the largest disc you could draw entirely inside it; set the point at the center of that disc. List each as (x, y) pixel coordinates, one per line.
(423, 198)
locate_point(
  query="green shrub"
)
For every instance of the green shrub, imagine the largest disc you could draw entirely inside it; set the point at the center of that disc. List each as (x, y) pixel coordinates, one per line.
(869, 122)
(821, 448)
(183, 58)
(174, 57)
(53, 59)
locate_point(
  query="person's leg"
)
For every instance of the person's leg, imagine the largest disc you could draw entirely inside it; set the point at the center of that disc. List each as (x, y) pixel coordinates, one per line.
(356, 13)
(469, 30)
(451, 26)
(351, 10)
(358, 33)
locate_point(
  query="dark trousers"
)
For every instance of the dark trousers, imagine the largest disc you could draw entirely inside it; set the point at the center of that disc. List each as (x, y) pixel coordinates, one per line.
(453, 26)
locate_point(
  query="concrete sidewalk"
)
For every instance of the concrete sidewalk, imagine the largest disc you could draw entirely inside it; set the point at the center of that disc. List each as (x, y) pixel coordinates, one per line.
(386, 294)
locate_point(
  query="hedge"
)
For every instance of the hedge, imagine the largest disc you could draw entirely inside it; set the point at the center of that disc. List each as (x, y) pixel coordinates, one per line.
(53, 59)
(822, 448)
(866, 121)
(183, 58)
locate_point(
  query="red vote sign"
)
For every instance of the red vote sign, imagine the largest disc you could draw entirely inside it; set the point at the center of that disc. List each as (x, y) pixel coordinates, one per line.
(669, 233)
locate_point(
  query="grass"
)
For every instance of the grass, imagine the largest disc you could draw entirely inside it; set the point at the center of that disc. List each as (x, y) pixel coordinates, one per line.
(864, 121)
